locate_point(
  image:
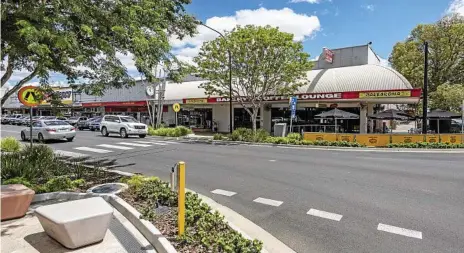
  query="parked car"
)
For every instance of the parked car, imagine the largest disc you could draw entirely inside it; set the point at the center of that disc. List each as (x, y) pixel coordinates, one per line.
(13, 120)
(74, 120)
(123, 125)
(61, 118)
(5, 119)
(94, 124)
(43, 130)
(84, 123)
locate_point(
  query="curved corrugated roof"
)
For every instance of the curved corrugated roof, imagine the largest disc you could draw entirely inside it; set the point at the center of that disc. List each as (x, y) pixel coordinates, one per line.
(355, 78)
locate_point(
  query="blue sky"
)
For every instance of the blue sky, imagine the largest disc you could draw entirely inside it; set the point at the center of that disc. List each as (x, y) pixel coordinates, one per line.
(318, 23)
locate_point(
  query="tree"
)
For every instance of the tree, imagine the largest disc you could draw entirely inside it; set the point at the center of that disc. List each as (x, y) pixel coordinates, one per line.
(448, 97)
(81, 39)
(265, 62)
(446, 53)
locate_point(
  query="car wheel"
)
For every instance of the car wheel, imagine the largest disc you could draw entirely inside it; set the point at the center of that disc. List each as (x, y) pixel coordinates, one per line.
(41, 138)
(104, 131)
(123, 133)
(142, 135)
(91, 129)
(70, 139)
(23, 136)
(80, 128)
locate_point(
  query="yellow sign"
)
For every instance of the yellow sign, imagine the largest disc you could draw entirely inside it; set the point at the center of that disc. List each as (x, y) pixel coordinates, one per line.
(176, 107)
(373, 140)
(451, 138)
(407, 138)
(320, 137)
(432, 138)
(196, 101)
(385, 94)
(65, 95)
(30, 96)
(346, 137)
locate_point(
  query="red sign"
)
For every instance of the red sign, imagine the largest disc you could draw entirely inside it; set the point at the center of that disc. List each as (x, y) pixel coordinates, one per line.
(127, 103)
(328, 55)
(349, 95)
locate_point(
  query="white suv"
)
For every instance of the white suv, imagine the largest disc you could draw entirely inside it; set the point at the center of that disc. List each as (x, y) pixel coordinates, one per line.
(123, 125)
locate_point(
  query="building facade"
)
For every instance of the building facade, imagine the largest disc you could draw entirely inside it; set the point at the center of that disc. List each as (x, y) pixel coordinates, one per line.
(351, 79)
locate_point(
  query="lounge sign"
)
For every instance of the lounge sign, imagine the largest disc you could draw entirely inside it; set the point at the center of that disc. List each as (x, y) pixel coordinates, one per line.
(385, 94)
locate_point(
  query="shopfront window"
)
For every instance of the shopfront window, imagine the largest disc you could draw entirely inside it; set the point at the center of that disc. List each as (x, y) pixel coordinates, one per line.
(198, 118)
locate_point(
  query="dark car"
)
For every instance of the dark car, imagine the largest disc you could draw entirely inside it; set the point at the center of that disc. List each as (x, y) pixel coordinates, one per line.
(84, 123)
(94, 124)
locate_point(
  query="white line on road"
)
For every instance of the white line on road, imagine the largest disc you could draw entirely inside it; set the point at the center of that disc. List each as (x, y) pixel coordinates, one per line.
(168, 142)
(134, 144)
(151, 142)
(400, 231)
(270, 202)
(323, 214)
(70, 154)
(114, 146)
(96, 150)
(224, 192)
(272, 160)
(11, 131)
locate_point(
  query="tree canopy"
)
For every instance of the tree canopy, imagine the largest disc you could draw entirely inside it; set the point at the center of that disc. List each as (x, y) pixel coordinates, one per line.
(265, 61)
(81, 39)
(446, 53)
(448, 97)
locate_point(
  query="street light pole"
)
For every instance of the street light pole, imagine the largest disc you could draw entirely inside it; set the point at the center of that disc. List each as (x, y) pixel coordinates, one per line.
(425, 92)
(231, 122)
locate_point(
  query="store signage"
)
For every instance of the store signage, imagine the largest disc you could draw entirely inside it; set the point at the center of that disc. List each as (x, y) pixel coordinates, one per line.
(30, 96)
(328, 55)
(176, 107)
(65, 95)
(196, 101)
(385, 94)
(293, 101)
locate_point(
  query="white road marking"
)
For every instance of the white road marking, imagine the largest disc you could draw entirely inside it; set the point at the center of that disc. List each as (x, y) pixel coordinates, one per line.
(224, 192)
(169, 142)
(70, 154)
(96, 150)
(323, 214)
(272, 160)
(134, 144)
(270, 202)
(400, 231)
(114, 146)
(151, 142)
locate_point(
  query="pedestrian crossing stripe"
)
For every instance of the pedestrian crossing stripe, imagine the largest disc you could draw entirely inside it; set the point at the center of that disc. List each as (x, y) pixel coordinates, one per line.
(114, 146)
(148, 142)
(95, 150)
(134, 144)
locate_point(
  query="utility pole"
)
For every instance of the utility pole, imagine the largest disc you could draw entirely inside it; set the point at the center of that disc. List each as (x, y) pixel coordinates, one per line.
(425, 91)
(231, 119)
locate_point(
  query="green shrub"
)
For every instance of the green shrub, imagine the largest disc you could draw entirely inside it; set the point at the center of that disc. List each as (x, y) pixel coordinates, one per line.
(218, 137)
(170, 132)
(294, 136)
(61, 183)
(10, 144)
(242, 134)
(260, 135)
(18, 180)
(78, 183)
(307, 142)
(208, 229)
(426, 145)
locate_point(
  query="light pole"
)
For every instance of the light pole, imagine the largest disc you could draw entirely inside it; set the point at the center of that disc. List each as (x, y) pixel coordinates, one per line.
(231, 122)
(425, 92)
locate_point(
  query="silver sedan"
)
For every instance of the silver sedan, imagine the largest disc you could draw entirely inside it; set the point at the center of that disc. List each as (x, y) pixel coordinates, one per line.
(43, 130)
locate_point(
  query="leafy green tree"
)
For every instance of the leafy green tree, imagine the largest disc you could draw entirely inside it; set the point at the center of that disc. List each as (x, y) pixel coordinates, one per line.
(448, 97)
(265, 61)
(446, 52)
(81, 38)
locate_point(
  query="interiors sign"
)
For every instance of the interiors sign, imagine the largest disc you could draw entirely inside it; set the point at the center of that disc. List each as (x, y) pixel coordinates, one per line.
(385, 94)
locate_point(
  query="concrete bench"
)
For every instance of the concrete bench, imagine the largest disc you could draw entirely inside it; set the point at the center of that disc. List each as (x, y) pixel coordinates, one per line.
(76, 223)
(15, 200)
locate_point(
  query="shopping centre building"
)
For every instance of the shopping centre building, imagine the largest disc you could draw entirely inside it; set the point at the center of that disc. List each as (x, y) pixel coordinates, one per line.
(351, 79)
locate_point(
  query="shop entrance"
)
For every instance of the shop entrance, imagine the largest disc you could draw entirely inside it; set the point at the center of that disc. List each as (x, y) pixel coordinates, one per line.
(198, 119)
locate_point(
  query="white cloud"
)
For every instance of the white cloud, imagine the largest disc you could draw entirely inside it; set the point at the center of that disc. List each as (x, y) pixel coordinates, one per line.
(456, 6)
(369, 7)
(300, 25)
(384, 62)
(306, 1)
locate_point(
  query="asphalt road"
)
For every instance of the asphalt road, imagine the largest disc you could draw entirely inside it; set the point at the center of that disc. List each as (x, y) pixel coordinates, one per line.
(312, 200)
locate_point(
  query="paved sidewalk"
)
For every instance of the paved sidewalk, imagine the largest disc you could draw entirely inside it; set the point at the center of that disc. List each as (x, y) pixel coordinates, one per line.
(26, 235)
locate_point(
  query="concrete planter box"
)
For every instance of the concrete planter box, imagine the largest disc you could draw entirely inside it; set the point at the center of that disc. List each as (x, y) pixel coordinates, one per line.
(16, 199)
(76, 223)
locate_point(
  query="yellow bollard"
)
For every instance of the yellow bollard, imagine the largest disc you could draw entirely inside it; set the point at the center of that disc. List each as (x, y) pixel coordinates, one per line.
(181, 198)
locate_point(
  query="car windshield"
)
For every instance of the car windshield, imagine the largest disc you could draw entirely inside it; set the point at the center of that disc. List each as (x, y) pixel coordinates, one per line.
(55, 123)
(74, 118)
(128, 119)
